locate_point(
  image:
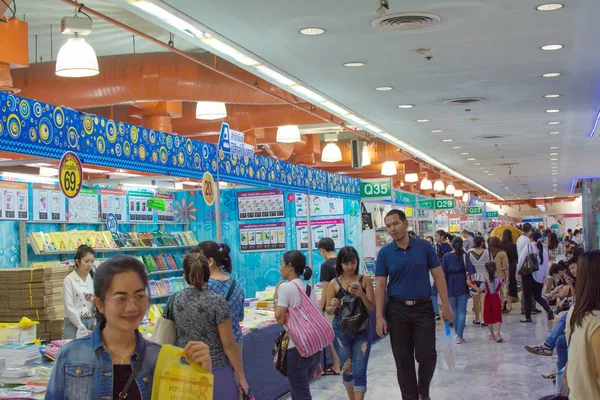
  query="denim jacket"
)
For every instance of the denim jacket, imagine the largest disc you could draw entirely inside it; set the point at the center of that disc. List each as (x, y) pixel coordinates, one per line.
(84, 369)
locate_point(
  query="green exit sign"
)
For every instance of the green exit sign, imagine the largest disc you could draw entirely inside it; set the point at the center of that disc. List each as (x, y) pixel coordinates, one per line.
(376, 189)
(437, 204)
(474, 211)
(491, 214)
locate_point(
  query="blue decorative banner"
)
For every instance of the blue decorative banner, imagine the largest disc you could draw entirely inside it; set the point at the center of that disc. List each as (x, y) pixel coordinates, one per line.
(40, 129)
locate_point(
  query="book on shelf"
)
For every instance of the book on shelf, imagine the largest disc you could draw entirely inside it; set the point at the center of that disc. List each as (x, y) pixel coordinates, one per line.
(153, 288)
(148, 261)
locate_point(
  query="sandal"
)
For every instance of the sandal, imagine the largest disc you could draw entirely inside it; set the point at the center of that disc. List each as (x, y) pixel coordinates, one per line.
(477, 322)
(499, 339)
(331, 371)
(492, 338)
(526, 320)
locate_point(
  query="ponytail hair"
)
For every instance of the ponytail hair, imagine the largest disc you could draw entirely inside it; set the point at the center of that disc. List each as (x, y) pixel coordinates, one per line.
(457, 245)
(491, 270)
(195, 270)
(220, 252)
(297, 260)
(537, 237)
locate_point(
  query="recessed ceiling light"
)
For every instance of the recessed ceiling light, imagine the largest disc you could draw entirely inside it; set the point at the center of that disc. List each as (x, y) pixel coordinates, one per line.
(554, 123)
(477, 163)
(409, 106)
(422, 120)
(553, 111)
(553, 154)
(551, 47)
(482, 168)
(354, 64)
(554, 159)
(384, 88)
(486, 172)
(553, 163)
(436, 131)
(507, 188)
(312, 31)
(458, 147)
(549, 7)
(555, 173)
(551, 75)
(552, 96)
(471, 159)
(447, 140)
(490, 174)
(554, 148)
(553, 133)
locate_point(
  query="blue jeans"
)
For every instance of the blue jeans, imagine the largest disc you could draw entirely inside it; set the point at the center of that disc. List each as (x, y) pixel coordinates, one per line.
(562, 351)
(434, 299)
(557, 331)
(300, 370)
(353, 349)
(459, 308)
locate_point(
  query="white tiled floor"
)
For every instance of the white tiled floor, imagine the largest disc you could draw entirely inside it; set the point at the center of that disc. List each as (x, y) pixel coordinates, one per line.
(484, 369)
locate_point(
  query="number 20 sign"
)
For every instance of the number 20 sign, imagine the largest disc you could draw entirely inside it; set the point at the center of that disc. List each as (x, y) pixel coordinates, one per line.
(70, 174)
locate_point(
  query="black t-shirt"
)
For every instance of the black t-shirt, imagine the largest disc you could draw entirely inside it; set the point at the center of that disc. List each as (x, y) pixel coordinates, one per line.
(328, 272)
(121, 374)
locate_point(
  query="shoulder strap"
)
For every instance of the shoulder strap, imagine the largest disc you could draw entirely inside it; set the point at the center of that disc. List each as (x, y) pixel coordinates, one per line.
(308, 290)
(168, 314)
(341, 287)
(231, 289)
(487, 286)
(123, 393)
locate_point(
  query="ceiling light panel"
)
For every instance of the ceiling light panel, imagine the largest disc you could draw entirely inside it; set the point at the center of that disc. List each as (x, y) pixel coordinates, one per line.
(406, 106)
(549, 7)
(384, 88)
(552, 47)
(552, 96)
(354, 64)
(551, 75)
(312, 31)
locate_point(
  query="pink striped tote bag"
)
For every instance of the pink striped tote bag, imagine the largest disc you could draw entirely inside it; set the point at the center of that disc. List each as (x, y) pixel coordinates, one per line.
(308, 328)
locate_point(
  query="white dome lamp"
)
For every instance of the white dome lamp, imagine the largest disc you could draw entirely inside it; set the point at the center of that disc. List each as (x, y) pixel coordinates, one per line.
(450, 189)
(210, 110)
(288, 134)
(458, 193)
(366, 156)
(76, 58)
(411, 178)
(331, 151)
(426, 184)
(466, 197)
(389, 168)
(439, 186)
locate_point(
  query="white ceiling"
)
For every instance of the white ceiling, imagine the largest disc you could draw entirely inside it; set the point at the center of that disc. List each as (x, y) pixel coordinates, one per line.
(483, 48)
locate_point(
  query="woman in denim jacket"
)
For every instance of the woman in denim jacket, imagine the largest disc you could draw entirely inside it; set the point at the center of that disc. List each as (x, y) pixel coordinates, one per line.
(99, 366)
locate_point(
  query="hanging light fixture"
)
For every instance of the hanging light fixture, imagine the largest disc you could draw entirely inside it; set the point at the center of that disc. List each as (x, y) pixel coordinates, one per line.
(439, 186)
(76, 58)
(210, 110)
(366, 157)
(288, 134)
(466, 197)
(450, 189)
(426, 184)
(401, 183)
(331, 153)
(389, 168)
(458, 193)
(411, 178)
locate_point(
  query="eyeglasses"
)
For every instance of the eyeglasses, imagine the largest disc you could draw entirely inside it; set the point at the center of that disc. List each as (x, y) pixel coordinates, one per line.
(121, 301)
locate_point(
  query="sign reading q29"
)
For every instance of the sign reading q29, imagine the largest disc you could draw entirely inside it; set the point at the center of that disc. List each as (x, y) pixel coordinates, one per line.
(70, 174)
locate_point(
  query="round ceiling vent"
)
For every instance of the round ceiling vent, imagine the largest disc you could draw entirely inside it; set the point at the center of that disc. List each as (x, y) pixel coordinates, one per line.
(465, 101)
(491, 137)
(406, 21)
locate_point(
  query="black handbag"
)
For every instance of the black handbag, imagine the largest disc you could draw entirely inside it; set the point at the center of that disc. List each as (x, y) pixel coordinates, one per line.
(354, 317)
(530, 265)
(367, 218)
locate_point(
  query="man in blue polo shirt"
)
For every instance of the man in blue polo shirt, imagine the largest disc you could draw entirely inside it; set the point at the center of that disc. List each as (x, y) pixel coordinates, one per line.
(409, 315)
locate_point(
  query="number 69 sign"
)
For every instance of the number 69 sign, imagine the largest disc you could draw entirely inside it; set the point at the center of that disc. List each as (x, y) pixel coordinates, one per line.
(70, 174)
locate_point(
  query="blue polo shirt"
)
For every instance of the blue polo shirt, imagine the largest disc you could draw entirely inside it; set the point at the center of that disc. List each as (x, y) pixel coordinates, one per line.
(407, 269)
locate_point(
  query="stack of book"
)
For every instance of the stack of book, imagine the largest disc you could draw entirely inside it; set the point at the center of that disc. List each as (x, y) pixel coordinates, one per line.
(165, 287)
(19, 355)
(163, 262)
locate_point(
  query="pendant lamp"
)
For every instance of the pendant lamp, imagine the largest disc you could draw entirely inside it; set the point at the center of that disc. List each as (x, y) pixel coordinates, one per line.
(450, 189)
(466, 197)
(426, 184)
(458, 193)
(210, 110)
(288, 134)
(366, 157)
(331, 153)
(411, 178)
(76, 59)
(388, 168)
(438, 186)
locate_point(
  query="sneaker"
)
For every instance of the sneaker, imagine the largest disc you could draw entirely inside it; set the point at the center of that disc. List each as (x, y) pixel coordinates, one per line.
(540, 350)
(438, 317)
(460, 340)
(550, 375)
(483, 324)
(477, 322)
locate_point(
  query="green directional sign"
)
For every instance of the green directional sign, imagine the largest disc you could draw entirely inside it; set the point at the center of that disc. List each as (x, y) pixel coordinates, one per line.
(474, 211)
(426, 204)
(491, 214)
(376, 189)
(405, 198)
(437, 204)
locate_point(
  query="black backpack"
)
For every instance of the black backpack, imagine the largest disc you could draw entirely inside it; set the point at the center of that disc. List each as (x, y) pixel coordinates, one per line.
(353, 314)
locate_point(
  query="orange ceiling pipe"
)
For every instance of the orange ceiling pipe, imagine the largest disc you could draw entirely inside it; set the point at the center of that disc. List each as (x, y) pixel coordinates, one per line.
(243, 118)
(14, 44)
(135, 78)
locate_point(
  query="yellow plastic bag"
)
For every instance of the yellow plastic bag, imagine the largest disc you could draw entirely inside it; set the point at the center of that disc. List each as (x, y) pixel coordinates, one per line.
(174, 379)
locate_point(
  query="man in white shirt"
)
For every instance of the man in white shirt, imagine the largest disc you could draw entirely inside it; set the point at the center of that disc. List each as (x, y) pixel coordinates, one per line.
(522, 243)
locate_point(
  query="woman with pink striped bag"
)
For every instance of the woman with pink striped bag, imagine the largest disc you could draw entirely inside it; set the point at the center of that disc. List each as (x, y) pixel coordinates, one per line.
(309, 332)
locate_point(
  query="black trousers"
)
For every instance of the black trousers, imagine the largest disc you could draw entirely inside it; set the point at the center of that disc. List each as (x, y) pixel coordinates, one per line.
(513, 290)
(412, 335)
(531, 287)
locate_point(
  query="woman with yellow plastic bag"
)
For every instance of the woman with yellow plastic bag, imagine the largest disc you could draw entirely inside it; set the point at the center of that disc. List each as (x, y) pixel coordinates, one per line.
(115, 361)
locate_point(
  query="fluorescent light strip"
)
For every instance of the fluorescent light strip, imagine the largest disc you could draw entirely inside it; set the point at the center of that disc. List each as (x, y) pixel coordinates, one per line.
(593, 132)
(164, 12)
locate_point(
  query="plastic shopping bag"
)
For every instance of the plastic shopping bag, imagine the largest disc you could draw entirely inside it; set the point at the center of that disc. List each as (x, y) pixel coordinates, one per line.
(177, 379)
(448, 347)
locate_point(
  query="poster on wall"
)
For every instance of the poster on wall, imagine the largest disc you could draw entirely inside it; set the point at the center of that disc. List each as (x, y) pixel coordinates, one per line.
(262, 237)
(84, 207)
(49, 203)
(320, 206)
(168, 215)
(138, 209)
(260, 204)
(332, 228)
(113, 201)
(454, 224)
(14, 200)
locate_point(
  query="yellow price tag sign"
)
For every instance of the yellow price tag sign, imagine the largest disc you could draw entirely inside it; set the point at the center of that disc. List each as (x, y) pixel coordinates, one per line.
(70, 174)
(408, 212)
(208, 189)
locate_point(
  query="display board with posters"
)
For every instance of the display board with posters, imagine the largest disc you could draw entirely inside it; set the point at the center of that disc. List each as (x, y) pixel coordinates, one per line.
(113, 201)
(260, 204)
(49, 203)
(138, 209)
(320, 206)
(332, 228)
(84, 208)
(262, 237)
(14, 200)
(168, 215)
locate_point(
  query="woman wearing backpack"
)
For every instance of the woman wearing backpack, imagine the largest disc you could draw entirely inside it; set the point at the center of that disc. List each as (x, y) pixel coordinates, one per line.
(454, 265)
(533, 283)
(351, 297)
(290, 298)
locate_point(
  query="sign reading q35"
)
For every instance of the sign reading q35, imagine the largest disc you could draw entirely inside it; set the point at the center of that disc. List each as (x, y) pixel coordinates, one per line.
(375, 189)
(70, 174)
